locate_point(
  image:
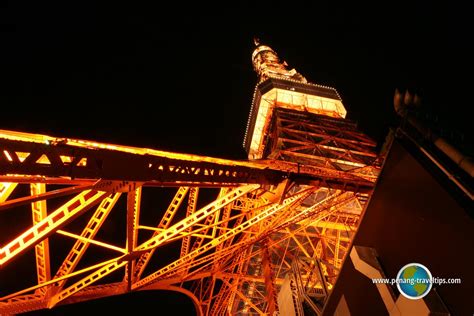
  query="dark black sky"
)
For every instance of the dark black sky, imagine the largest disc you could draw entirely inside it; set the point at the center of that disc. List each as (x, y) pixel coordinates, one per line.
(179, 76)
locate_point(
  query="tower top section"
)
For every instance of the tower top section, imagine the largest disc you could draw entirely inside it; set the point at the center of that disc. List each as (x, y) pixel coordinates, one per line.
(267, 65)
(281, 88)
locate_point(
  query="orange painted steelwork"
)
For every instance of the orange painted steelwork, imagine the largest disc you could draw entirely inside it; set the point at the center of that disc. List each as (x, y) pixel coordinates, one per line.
(295, 208)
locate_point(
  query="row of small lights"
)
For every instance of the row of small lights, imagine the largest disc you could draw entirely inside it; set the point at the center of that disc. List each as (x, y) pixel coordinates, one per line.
(250, 114)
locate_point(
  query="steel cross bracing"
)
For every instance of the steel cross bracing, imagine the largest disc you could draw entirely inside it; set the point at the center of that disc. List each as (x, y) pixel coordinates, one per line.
(94, 220)
(31, 157)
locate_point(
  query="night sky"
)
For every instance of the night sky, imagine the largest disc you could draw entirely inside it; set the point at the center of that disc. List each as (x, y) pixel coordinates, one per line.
(179, 77)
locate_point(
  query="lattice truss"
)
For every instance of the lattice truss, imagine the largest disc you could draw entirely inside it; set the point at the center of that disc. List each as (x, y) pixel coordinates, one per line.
(82, 220)
(324, 142)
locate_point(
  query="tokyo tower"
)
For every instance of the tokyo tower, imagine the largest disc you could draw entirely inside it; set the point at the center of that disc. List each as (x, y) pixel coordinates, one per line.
(82, 220)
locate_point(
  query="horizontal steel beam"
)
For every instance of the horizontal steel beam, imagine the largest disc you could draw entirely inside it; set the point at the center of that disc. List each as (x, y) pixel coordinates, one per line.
(26, 155)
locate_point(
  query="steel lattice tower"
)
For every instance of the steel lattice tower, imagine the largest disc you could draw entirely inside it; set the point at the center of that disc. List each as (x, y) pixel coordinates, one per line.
(256, 237)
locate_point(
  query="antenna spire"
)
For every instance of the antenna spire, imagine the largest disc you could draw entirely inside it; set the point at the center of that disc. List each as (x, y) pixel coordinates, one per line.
(267, 64)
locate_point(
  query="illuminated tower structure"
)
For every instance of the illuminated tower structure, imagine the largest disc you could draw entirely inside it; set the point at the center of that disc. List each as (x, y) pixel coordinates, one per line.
(255, 237)
(294, 120)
